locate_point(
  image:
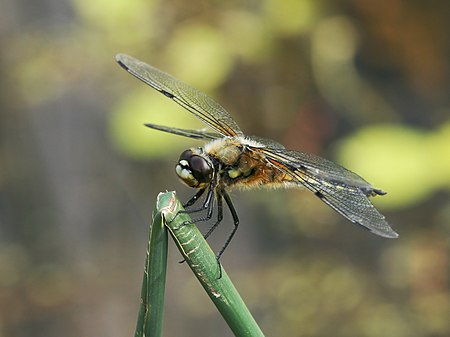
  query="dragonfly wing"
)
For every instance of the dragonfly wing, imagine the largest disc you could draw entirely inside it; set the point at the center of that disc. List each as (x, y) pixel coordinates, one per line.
(193, 100)
(269, 143)
(339, 188)
(196, 134)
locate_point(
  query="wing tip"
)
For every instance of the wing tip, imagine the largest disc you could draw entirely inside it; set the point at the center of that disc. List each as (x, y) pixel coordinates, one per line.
(122, 59)
(378, 191)
(388, 233)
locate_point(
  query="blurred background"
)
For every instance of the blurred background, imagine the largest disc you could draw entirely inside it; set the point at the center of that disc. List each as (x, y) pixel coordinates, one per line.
(360, 82)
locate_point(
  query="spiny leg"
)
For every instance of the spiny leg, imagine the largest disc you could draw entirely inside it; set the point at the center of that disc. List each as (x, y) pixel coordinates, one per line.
(190, 202)
(207, 204)
(218, 221)
(219, 216)
(214, 226)
(236, 224)
(235, 220)
(194, 199)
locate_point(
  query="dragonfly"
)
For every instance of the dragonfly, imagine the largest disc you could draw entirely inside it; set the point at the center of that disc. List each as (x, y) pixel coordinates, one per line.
(230, 159)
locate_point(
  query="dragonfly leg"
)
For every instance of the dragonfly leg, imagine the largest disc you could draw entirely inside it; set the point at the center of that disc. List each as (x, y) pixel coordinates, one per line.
(194, 199)
(230, 237)
(208, 205)
(219, 216)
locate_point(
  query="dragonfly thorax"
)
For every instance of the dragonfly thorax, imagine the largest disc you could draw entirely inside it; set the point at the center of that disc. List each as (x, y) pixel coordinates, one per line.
(194, 169)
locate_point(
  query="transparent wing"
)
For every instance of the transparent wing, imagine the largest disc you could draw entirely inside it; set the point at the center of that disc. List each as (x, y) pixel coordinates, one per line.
(344, 191)
(195, 134)
(269, 143)
(193, 100)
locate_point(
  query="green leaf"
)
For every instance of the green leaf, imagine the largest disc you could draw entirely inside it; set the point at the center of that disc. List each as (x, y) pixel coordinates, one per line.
(153, 284)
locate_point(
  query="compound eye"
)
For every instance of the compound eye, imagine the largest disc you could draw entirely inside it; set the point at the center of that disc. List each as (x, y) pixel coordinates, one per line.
(200, 168)
(186, 155)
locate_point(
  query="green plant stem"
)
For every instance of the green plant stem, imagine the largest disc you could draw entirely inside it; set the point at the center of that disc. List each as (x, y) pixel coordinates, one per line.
(202, 260)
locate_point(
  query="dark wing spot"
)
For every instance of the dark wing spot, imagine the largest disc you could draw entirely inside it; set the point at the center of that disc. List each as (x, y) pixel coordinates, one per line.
(379, 192)
(319, 194)
(167, 94)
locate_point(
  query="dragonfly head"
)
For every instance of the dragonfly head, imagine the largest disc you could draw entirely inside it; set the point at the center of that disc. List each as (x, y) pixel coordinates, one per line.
(194, 168)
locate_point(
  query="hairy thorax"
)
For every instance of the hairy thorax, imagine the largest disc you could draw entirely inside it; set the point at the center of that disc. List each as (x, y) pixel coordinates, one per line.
(238, 166)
